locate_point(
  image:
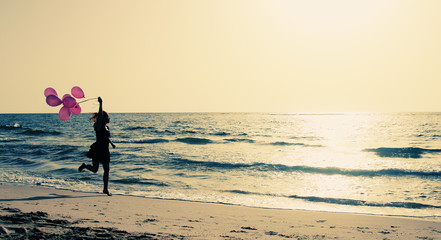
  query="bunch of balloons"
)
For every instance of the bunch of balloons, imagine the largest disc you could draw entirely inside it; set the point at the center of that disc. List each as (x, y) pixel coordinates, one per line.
(70, 105)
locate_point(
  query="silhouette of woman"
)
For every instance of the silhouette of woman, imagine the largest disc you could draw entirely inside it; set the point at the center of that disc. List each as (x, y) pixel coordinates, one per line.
(99, 151)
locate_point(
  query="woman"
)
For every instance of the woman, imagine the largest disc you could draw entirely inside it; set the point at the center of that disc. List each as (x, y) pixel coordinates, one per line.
(99, 151)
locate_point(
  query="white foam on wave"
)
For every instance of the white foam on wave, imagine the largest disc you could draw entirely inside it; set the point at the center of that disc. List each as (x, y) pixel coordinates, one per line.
(24, 178)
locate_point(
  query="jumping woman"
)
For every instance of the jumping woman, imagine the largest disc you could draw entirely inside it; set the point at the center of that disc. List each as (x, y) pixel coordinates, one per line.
(99, 151)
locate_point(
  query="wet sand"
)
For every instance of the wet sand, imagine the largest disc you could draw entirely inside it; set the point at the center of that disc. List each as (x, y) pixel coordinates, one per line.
(33, 212)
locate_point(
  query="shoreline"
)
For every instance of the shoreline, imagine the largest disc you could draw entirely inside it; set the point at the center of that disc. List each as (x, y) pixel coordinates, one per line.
(422, 218)
(122, 216)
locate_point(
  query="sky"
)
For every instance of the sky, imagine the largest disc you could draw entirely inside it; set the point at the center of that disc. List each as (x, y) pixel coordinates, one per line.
(223, 55)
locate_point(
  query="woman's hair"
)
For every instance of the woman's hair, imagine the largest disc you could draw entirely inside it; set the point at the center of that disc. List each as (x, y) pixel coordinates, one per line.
(95, 115)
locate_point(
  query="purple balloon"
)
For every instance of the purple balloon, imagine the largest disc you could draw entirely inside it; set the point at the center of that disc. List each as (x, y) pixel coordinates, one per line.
(77, 92)
(76, 110)
(64, 113)
(69, 102)
(50, 91)
(53, 100)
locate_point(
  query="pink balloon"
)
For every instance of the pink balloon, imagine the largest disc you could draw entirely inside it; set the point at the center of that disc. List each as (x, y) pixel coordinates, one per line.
(65, 96)
(50, 91)
(69, 102)
(76, 110)
(53, 100)
(64, 113)
(77, 92)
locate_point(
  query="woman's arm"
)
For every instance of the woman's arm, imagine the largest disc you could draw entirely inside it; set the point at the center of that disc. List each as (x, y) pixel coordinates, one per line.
(100, 117)
(111, 143)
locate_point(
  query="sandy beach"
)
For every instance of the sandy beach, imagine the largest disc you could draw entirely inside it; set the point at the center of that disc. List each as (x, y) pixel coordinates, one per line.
(28, 212)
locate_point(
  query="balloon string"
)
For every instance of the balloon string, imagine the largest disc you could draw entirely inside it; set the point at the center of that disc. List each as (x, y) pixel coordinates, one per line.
(87, 100)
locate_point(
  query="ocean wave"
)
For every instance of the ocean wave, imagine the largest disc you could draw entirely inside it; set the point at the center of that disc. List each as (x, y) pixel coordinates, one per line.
(140, 181)
(306, 137)
(188, 132)
(220, 134)
(239, 140)
(293, 144)
(248, 192)
(7, 140)
(134, 128)
(264, 167)
(18, 149)
(284, 144)
(139, 169)
(186, 163)
(355, 202)
(343, 201)
(409, 152)
(163, 132)
(196, 141)
(37, 132)
(148, 141)
(20, 162)
(16, 126)
(65, 152)
(53, 152)
(64, 171)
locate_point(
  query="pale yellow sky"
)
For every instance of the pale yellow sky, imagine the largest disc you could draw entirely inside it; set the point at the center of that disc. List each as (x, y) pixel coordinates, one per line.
(223, 55)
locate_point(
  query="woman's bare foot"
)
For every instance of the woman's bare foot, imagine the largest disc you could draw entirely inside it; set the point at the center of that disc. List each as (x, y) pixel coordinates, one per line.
(82, 167)
(107, 192)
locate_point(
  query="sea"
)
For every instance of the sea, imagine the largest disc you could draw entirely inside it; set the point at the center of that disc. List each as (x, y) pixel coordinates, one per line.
(364, 163)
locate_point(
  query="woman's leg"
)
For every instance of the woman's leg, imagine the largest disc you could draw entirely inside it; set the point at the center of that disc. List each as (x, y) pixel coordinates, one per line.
(94, 167)
(106, 167)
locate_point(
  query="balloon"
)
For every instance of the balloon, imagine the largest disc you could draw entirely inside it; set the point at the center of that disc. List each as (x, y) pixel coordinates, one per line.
(77, 92)
(53, 100)
(65, 96)
(76, 110)
(69, 101)
(64, 113)
(70, 105)
(50, 91)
